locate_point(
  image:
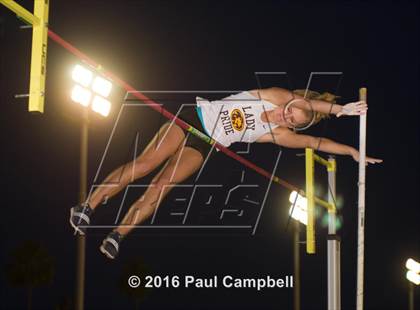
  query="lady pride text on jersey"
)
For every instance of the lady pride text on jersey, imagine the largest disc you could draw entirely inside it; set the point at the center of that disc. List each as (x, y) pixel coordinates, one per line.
(237, 120)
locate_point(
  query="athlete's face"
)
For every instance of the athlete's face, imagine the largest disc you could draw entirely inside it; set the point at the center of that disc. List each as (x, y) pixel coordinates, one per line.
(292, 117)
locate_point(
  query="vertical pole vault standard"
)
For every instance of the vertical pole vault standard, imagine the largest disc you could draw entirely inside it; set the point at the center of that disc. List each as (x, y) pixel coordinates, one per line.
(334, 295)
(361, 204)
(334, 298)
(310, 193)
(39, 57)
(39, 22)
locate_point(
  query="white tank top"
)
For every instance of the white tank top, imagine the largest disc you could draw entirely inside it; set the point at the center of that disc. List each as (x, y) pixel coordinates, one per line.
(236, 118)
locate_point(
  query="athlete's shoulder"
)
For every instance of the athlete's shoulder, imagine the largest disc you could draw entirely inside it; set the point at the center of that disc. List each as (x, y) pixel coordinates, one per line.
(275, 95)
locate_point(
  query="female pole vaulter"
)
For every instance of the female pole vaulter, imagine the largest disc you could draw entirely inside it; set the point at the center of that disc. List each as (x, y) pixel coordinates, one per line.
(264, 116)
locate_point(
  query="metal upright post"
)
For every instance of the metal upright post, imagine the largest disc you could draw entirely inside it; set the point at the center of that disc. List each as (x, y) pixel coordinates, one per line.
(410, 296)
(310, 196)
(334, 296)
(296, 266)
(361, 205)
(39, 24)
(81, 239)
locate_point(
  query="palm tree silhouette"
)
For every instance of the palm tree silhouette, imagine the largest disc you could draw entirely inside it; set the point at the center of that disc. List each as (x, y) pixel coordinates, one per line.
(30, 266)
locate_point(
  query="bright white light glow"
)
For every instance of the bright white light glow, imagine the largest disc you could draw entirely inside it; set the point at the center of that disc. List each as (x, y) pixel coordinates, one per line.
(81, 95)
(413, 277)
(411, 264)
(101, 106)
(82, 75)
(299, 214)
(101, 86)
(300, 201)
(300, 210)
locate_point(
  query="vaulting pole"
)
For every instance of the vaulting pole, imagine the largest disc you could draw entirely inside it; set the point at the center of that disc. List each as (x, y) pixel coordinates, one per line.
(361, 204)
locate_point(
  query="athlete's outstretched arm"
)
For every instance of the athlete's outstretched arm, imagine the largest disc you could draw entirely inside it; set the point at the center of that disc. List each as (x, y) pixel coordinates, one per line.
(280, 96)
(288, 138)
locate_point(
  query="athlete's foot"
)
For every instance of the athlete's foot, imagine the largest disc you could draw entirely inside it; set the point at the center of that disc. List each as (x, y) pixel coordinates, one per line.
(80, 217)
(110, 245)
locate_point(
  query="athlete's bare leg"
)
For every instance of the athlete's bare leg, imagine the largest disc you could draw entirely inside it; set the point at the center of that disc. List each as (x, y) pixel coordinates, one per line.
(164, 144)
(180, 166)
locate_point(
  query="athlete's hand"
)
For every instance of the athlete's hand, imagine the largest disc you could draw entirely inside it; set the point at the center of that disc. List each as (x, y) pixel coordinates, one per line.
(353, 108)
(369, 160)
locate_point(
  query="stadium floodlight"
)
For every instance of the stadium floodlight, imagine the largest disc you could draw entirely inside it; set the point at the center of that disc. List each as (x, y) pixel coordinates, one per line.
(299, 208)
(101, 106)
(82, 91)
(101, 86)
(413, 273)
(413, 277)
(411, 264)
(82, 75)
(81, 95)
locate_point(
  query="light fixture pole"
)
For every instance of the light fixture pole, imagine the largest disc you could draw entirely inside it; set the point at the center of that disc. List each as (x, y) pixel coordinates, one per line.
(410, 296)
(81, 239)
(87, 87)
(296, 266)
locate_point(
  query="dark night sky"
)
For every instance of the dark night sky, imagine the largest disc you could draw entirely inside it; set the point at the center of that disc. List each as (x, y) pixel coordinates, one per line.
(164, 45)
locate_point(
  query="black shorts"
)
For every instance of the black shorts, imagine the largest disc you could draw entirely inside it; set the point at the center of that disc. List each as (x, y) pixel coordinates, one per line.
(190, 116)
